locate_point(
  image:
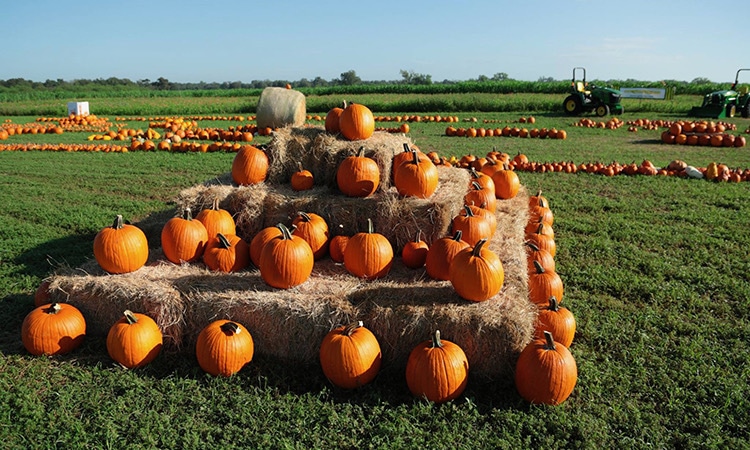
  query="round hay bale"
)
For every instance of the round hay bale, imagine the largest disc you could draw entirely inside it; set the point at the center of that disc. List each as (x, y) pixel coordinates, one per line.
(279, 107)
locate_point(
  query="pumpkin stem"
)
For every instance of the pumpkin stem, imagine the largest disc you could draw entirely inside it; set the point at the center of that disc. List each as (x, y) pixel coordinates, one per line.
(370, 226)
(230, 328)
(349, 329)
(418, 237)
(478, 248)
(304, 215)
(299, 166)
(406, 147)
(187, 214)
(414, 158)
(549, 343)
(538, 267)
(223, 241)
(457, 237)
(285, 232)
(118, 222)
(554, 305)
(436, 340)
(473, 172)
(476, 186)
(130, 317)
(343, 104)
(469, 212)
(215, 204)
(532, 246)
(361, 151)
(54, 308)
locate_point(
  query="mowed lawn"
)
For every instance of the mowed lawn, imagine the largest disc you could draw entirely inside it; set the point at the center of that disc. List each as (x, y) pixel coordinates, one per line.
(656, 270)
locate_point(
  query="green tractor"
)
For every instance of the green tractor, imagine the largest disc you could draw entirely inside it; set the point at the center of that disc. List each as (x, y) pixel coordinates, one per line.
(587, 98)
(720, 104)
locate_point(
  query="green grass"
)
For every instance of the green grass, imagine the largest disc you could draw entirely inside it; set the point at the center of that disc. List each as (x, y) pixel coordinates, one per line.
(656, 271)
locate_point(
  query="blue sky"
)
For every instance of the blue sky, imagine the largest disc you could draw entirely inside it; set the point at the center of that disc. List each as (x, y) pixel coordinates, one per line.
(232, 40)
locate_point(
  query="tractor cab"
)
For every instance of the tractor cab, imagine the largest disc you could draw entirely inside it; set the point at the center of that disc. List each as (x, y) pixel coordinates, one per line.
(586, 98)
(725, 103)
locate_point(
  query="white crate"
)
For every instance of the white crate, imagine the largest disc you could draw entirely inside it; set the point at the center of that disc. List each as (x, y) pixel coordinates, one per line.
(78, 108)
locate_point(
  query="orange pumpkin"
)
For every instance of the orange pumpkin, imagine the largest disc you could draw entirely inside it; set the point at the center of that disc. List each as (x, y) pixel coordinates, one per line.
(332, 119)
(416, 177)
(414, 253)
(217, 220)
(507, 183)
(121, 248)
(356, 122)
(544, 284)
(441, 254)
(358, 175)
(286, 260)
(473, 227)
(476, 273)
(350, 356)
(224, 347)
(183, 239)
(228, 253)
(134, 340)
(302, 179)
(314, 230)
(558, 320)
(53, 329)
(250, 166)
(368, 254)
(437, 370)
(546, 372)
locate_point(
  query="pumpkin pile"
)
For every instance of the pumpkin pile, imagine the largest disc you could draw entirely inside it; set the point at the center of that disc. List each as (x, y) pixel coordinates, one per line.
(507, 131)
(703, 133)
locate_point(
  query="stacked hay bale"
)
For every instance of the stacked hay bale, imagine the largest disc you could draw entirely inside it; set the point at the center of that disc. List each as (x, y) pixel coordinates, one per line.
(401, 310)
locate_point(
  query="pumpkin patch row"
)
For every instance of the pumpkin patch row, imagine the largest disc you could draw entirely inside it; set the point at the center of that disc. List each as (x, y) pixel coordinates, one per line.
(506, 131)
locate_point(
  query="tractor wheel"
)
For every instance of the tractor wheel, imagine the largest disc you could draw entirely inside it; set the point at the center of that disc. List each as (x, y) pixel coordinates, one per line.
(602, 110)
(572, 105)
(731, 110)
(745, 112)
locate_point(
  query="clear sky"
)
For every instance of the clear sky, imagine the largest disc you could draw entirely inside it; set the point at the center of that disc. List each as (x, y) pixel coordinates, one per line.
(233, 40)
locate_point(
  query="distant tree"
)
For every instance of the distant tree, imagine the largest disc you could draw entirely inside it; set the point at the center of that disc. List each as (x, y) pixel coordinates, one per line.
(349, 78)
(700, 80)
(411, 77)
(500, 76)
(545, 80)
(482, 78)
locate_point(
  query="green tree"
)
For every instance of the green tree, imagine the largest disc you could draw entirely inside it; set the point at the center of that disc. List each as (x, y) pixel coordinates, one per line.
(349, 78)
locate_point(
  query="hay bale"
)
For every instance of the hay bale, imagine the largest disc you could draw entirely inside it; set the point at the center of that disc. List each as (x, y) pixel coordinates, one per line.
(280, 107)
(288, 325)
(321, 153)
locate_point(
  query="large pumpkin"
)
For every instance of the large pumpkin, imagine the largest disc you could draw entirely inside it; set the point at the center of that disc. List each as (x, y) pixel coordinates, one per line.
(350, 356)
(250, 165)
(356, 122)
(228, 253)
(259, 241)
(368, 254)
(481, 196)
(183, 239)
(224, 347)
(358, 175)
(507, 183)
(286, 260)
(217, 220)
(476, 273)
(441, 254)
(437, 370)
(134, 340)
(416, 177)
(546, 372)
(53, 329)
(314, 230)
(121, 248)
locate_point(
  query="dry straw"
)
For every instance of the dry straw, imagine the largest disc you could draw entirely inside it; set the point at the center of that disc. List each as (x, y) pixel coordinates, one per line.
(279, 107)
(402, 310)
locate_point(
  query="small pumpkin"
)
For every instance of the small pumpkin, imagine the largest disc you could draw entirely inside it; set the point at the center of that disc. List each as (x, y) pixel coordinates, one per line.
(414, 253)
(228, 253)
(544, 242)
(483, 197)
(217, 220)
(250, 166)
(356, 122)
(134, 340)
(476, 273)
(368, 254)
(121, 248)
(183, 239)
(260, 239)
(544, 284)
(358, 175)
(437, 370)
(350, 356)
(488, 215)
(538, 200)
(482, 179)
(441, 254)
(302, 179)
(543, 257)
(314, 230)
(337, 247)
(224, 347)
(712, 171)
(332, 119)
(546, 372)
(53, 329)
(558, 320)
(286, 260)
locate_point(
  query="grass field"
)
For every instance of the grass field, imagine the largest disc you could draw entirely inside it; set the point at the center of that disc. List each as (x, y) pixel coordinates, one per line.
(656, 271)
